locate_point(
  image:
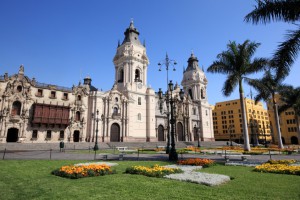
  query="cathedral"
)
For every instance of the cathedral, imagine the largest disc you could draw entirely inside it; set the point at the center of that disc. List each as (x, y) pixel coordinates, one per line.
(131, 111)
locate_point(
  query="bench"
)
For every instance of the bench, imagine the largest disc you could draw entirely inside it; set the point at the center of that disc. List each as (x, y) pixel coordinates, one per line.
(128, 151)
(242, 157)
(122, 148)
(104, 156)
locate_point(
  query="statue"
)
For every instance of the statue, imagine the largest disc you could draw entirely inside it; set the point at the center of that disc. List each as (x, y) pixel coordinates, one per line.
(21, 70)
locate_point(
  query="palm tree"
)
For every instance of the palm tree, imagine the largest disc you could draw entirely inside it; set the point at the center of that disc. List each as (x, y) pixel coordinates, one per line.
(236, 63)
(267, 87)
(286, 11)
(290, 97)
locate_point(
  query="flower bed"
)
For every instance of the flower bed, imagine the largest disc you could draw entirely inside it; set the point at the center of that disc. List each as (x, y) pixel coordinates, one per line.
(155, 171)
(75, 172)
(197, 162)
(281, 161)
(279, 167)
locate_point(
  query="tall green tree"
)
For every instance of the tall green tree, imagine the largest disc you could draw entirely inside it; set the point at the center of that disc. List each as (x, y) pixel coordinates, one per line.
(285, 11)
(237, 63)
(290, 98)
(267, 87)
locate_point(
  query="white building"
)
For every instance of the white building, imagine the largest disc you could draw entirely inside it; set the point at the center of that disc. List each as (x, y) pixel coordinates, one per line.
(128, 112)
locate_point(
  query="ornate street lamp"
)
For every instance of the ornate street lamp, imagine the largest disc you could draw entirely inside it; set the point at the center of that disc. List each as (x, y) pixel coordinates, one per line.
(97, 121)
(198, 134)
(102, 119)
(167, 62)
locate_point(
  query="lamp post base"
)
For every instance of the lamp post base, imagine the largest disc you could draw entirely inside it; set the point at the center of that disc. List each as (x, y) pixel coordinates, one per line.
(167, 150)
(96, 147)
(173, 156)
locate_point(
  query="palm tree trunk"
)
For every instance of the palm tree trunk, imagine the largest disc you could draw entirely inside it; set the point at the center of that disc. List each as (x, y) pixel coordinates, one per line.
(275, 107)
(244, 118)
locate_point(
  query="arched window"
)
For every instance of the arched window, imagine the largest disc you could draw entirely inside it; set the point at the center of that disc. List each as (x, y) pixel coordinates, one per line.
(202, 94)
(115, 111)
(116, 99)
(137, 77)
(121, 76)
(16, 108)
(139, 117)
(139, 101)
(19, 88)
(77, 116)
(191, 93)
(79, 98)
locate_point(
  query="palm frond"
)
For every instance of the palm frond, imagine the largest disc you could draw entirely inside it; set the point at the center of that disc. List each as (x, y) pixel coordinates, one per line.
(257, 65)
(218, 67)
(274, 10)
(230, 84)
(286, 53)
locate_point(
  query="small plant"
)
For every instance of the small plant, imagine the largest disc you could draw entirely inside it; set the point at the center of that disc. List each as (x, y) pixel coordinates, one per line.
(197, 162)
(75, 172)
(155, 171)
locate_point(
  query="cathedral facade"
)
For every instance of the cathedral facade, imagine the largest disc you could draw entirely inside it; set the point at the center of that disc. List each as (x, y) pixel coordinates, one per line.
(130, 112)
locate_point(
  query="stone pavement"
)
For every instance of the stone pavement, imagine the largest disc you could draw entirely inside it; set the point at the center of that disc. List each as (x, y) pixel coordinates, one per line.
(74, 155)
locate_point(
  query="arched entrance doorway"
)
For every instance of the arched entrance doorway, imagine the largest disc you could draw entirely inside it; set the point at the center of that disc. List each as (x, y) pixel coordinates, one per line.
(76, 136)
(294, 140)
(180, 132)
(12, 135)
(161, 135)
(115, 133)
(196, 134)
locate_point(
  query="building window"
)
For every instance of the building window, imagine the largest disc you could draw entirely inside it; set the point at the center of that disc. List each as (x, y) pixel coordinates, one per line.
(137, 77)
(139, 117)
(116, 99)
(115, 112)
(34, 134)
(78, 98)
(49, 134)
(19, 88)
(206, 112)
(16, 108)
(39, 93)
(61, 135)
(77, 116)
(65, 97)
(121, 76)
(52, 94)
(202, 94)
(194, 111)
(191, 93)
(139, 101)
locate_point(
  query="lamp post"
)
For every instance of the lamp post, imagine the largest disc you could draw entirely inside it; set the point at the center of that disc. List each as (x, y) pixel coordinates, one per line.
(97, 121)
(167, 62)
(102, 119)
(198, 134)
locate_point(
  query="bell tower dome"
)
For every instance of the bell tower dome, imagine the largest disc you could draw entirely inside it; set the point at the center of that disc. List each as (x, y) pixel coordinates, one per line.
(131, 61)
(194, 81)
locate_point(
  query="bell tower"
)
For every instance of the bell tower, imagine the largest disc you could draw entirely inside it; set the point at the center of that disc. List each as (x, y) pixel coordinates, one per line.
(194, 80)
(131, 62)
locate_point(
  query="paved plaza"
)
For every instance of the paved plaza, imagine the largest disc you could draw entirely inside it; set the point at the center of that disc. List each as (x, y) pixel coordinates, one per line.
(84, 151)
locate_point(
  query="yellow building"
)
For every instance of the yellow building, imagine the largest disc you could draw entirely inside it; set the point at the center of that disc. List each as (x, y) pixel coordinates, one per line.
(227, 121)
(288, 124)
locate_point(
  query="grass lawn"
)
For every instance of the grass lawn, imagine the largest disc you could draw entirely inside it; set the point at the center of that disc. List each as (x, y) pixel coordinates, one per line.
(32, 180)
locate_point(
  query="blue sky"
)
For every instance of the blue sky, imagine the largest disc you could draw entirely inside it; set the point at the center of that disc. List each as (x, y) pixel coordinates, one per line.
(61, 41)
